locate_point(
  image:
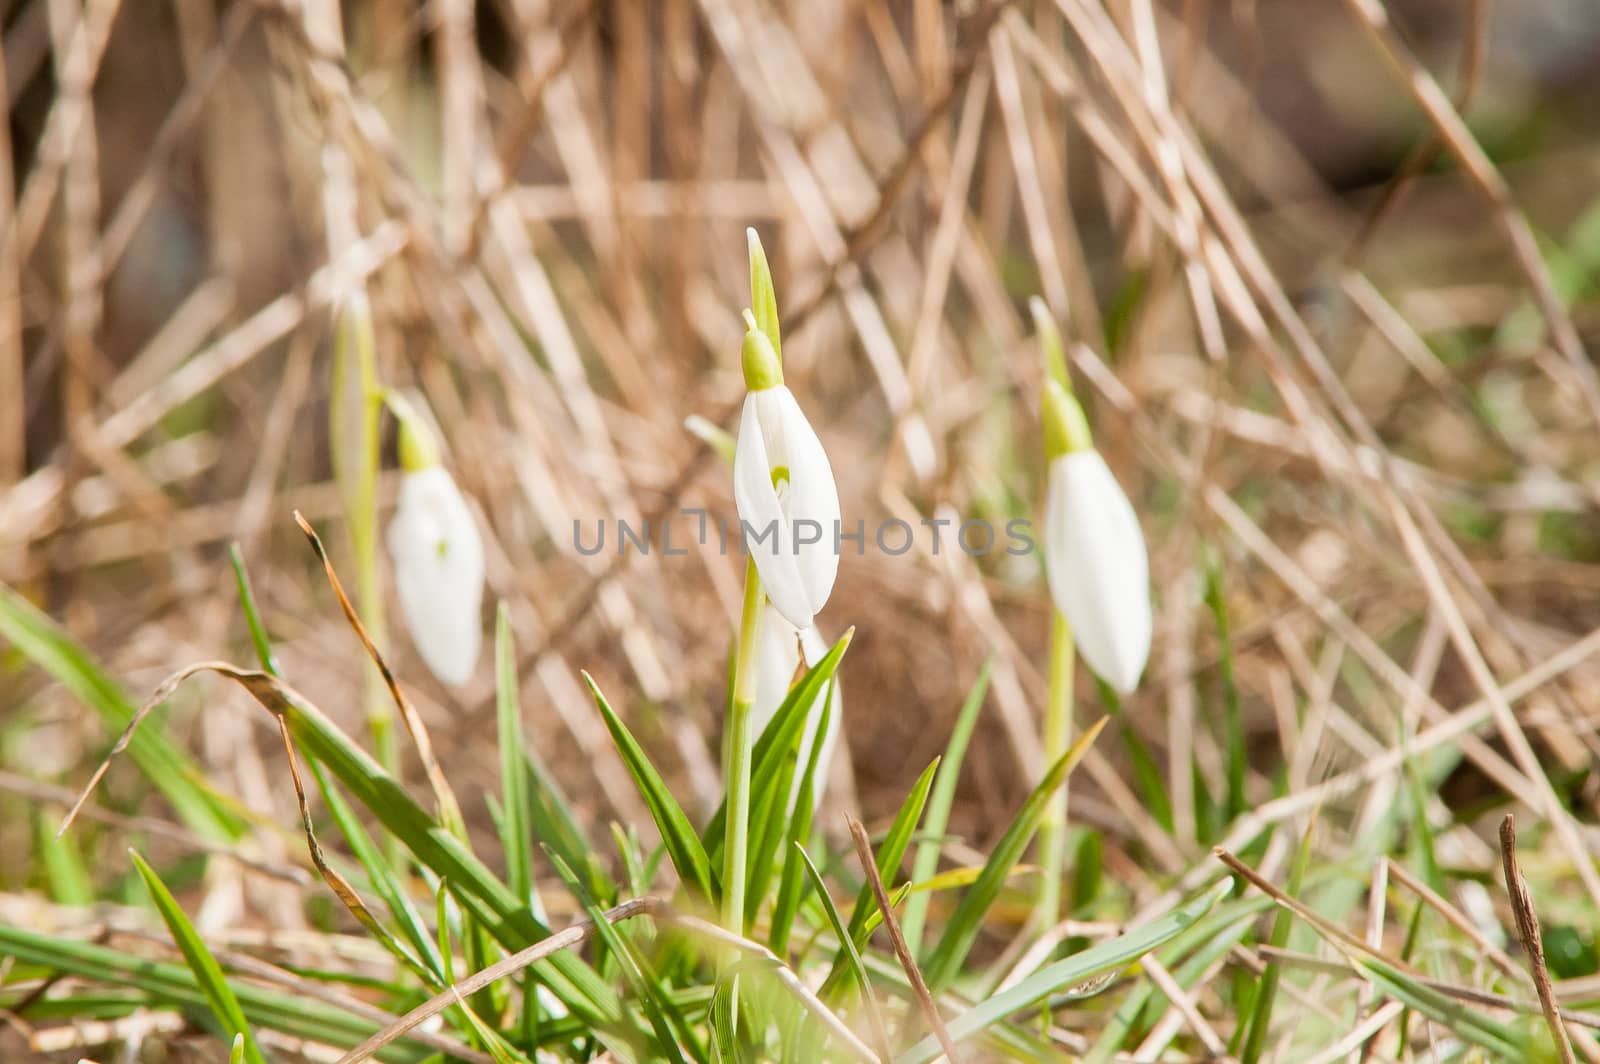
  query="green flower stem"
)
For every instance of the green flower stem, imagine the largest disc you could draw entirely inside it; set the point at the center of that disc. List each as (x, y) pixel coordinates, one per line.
(1057, 737)
(736, 753)
(369, 586)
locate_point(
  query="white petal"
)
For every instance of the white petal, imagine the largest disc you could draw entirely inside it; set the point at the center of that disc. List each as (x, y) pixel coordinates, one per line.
(777, 658)
(759, 508)
(813, 497)
(1098, 569)
(438, 572)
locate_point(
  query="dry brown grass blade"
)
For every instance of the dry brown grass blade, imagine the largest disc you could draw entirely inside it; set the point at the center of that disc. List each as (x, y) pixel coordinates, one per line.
(1457, 919)
(930, 1008)
(1527, 920)
(449, 808)
(1453, 131)
(1427, 150)
(162, 692)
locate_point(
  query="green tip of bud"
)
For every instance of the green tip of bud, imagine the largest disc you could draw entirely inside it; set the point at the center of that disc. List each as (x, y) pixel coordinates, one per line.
(418, 449)
(763, 296)
(1066, 429)
(761, 366)
(1050, 346)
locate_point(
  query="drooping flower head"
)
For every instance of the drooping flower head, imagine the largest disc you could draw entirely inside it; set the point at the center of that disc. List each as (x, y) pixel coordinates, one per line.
(1095, 557)
(783, 485)
(438, 558)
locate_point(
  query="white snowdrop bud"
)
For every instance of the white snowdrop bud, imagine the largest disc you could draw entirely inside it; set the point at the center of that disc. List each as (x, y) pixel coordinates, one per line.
(438, 560)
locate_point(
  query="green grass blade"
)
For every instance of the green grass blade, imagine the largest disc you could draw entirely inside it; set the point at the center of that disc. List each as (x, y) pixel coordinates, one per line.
(780, 734)
(381, 874)
(164, 983)
(207, 973)
(645, 987)
(515, 838)
(1469, 1022)
(792, 882)
(1283, 923)
(951, 952)
(64, 871)
(1096, 961)
(485, 898)
(1146, 772)
(854, 966)
(175, 775)
(926, 863)
(252, 616)
(890, 852)
(236, 1053)
(1236, 753)
(683, 845)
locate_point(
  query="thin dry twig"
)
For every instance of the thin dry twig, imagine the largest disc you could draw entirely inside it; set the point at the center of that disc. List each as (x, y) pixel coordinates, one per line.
(1532, 943)
(930, 1008)
(1453, 131)
(449, 808)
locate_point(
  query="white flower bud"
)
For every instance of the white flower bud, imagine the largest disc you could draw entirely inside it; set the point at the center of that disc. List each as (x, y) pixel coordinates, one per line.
(782, 481)
(438, 571)
(1098, 568)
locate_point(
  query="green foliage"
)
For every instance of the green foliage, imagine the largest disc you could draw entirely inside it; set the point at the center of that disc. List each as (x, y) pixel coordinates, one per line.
(207, 972)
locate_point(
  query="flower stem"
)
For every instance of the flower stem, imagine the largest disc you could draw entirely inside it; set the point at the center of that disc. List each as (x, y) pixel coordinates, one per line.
(1057, 736)
(736, 753)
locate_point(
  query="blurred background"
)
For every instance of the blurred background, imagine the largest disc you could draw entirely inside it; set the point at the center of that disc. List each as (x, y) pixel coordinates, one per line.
(1329, 273)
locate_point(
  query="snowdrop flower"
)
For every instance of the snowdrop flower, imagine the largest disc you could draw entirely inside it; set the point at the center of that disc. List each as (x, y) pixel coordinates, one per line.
(438, 559)
(1095, 554)
(784, 489)
(777, 662)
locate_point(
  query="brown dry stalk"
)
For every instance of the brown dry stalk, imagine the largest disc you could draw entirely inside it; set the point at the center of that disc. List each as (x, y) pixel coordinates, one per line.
(1528, 930)
(449, 808)
(930, 1008)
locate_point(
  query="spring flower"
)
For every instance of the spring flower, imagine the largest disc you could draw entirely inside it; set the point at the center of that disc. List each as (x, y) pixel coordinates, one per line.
(784, 489)
(438, 559)
(777, 662)
(1095, 554)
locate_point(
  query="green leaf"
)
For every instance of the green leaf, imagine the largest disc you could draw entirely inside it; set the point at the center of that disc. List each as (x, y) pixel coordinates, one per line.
(207, 973)
(1096, 961)
(381, 874)
(962, 931)
(1237, 755)
(846, 942)
(176, 776)
(926, 862)
(683, 845)
(763, 297)
(236, 1053)
(1468, 1021)
(481, 895)
(792, 883)
(169, 984)
(779, 736)
(1146, 772)
(1261, 1014)
(64, 871)
(888, 857)
(646, 988)
(252, 616)
(515, 838)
